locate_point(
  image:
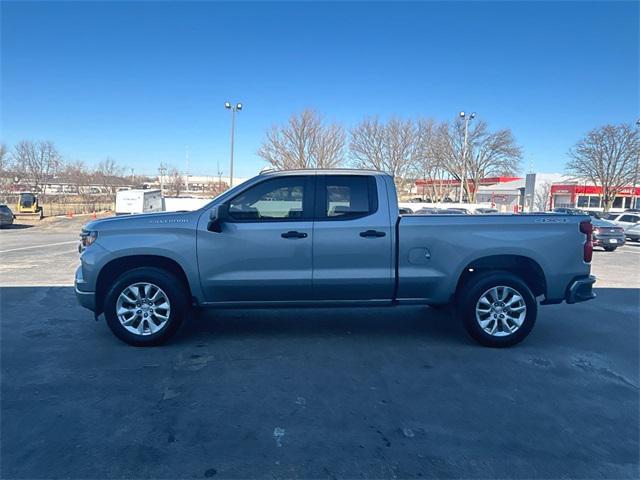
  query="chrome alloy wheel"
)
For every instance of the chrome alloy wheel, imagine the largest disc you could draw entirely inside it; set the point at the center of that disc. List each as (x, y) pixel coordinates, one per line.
(143, 308)
(500, 311)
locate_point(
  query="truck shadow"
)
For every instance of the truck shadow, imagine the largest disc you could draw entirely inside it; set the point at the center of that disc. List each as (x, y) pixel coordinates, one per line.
(409, 321)
(47, 313)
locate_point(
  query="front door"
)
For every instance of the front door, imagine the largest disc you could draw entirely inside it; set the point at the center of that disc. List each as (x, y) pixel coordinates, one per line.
(352, 247)
(263, 252)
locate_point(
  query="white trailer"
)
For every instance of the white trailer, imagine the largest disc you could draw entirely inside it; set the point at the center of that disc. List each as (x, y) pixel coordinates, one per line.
(138, 201)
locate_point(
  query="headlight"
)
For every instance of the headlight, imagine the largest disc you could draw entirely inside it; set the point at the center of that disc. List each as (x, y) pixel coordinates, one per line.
(87, 238)
(596, 231)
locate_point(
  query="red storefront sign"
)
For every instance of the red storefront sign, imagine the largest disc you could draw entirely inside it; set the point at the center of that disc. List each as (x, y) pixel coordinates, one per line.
(590, 190)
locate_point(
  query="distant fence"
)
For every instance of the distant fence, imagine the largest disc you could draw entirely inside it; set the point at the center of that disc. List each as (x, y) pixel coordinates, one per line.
(53, 205)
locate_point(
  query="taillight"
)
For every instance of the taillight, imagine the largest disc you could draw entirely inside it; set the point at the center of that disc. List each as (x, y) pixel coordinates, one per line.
(587, 228)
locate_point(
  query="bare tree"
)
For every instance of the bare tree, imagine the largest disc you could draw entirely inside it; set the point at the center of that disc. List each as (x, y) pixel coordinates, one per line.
(428, 164)
(488, 153)
(6, 168)
(5, 160)
(607, 156)
(109, 174)
(542, 196)
(37, 162)
(77, 174)
(175, 182)
(305, 141)
(392, 147)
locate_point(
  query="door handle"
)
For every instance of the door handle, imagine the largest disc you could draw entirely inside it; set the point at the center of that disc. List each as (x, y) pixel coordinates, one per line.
(372, 233)
(294, 234)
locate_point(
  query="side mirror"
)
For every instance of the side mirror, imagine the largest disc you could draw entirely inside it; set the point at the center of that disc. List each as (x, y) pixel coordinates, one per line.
(217, 217)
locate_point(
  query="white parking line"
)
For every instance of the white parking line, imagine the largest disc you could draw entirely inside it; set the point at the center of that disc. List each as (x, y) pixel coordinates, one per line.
(38, 246)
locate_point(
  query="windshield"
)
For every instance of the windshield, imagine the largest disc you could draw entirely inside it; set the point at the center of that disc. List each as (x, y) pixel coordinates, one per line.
(27, 199)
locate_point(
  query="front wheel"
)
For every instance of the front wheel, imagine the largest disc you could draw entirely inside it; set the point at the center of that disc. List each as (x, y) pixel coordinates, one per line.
(145, 306)
(498, 309)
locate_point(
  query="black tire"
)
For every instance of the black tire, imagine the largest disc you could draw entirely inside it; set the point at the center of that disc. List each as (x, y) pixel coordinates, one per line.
(169, 284)
(609, 249)
(475, 288)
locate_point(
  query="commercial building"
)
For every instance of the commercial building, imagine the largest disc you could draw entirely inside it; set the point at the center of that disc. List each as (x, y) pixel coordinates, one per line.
(535, 192)
(584, 195)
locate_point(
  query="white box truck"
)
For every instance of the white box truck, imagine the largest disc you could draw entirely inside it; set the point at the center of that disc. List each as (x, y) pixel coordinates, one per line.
(130, 202)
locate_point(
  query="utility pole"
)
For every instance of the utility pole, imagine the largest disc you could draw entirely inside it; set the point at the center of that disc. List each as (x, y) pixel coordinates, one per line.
(186, 186)
(234, 109)
(162, 171)
(219, 172)
(467, 119)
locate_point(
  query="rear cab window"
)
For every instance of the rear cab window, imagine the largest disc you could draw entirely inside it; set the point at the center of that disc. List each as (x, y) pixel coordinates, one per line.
(345, 197)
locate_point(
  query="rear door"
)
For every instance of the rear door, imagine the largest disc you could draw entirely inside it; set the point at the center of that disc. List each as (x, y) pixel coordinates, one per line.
(352, 247)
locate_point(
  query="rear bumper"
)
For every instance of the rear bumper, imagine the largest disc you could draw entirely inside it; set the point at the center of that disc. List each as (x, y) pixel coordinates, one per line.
(581, 290)
(609, 241)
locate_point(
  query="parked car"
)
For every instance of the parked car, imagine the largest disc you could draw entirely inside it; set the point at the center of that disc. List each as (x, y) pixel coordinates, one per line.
(607, 235)
(570, 211)
(427, 211)
(464, 211)
(6, 216)
(633, 233)
(405, 211)
(625, 220)
(596, 214)
(486, 211)
(439, 211)
(329, 237)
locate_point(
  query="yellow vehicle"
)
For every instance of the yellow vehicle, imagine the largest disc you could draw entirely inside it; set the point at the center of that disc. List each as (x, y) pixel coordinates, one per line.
(28, 206)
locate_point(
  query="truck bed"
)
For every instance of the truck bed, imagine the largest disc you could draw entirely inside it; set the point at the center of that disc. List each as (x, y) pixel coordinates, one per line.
(433, 251)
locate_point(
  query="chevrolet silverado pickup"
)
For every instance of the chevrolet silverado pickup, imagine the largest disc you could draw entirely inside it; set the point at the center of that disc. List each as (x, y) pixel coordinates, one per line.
(330, 238)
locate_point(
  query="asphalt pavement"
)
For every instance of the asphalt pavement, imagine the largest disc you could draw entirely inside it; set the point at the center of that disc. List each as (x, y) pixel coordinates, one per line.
(316, 393)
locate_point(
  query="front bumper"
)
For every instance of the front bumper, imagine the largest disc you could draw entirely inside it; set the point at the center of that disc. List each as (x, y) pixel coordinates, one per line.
(581, 290)
(86, 299)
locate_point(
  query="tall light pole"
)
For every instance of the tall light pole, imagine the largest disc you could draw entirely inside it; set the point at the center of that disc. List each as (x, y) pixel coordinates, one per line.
(234, 109)
(635, 173)
(467, 119)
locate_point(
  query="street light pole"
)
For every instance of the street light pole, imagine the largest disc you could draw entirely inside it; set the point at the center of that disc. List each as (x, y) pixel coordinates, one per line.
(635, 173)
(234, 108)
(467, 119)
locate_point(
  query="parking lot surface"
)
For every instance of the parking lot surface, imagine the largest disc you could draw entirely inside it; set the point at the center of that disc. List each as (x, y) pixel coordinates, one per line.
(313, 393)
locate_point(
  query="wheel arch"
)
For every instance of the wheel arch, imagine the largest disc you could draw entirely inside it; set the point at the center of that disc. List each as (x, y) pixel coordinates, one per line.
(524, 267)
(114, 268)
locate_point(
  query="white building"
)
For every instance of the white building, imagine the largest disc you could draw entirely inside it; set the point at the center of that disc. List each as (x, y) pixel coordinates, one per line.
(510, 196)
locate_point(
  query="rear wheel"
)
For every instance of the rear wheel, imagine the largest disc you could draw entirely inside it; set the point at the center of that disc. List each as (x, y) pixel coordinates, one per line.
(145, 306)
(498, 309)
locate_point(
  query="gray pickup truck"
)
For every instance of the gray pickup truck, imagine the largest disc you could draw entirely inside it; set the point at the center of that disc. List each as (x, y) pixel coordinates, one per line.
(329, 238)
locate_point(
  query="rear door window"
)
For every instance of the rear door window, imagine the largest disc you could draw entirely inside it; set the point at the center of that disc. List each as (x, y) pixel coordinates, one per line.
(343, 197)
